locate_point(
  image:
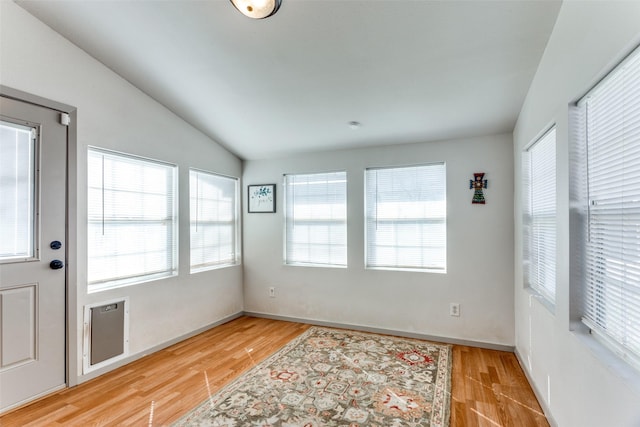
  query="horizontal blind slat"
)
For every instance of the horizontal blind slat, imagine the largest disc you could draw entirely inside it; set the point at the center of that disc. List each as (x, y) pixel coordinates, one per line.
(316, 219)
(406, 217)
(132, 207)
(213, 210)
(612, 272)
(540, 237)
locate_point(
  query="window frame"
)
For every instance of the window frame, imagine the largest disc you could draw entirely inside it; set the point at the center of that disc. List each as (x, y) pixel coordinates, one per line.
(33, 223)
(531, 257)
(235, 223)
(369, 246)
(172, 229)
(289, 224)
(582, 214)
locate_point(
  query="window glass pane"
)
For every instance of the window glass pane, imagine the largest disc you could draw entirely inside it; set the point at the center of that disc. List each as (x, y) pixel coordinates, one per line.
(17, 191)
(611, 112)
(214, 220)
(540, 220)
(132, 220)
(406, 218)
(316, 219)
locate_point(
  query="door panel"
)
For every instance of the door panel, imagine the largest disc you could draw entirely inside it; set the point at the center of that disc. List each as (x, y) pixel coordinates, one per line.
(32, 293)
(18, 308)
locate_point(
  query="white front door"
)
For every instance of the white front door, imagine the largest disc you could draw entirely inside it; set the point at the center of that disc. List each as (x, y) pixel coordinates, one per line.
(33, 153)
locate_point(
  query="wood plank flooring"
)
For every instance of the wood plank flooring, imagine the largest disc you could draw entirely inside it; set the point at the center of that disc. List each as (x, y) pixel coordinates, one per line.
(488, 387)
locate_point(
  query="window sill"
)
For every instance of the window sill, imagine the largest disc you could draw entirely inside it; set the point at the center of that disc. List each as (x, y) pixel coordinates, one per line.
(212, 267)
(615, 364)
(92, 289)
(409, 270)
(302, 264)
(550, 306)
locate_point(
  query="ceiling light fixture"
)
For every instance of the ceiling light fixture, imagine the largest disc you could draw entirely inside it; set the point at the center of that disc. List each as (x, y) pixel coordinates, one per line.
(355, 125)
(257, 9)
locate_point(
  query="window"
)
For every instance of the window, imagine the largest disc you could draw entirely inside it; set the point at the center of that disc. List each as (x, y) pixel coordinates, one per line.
(17, 192)
(539, 172)
(316, 219)
(214, 220)
(132, 216)
(610, 121)
(406, 218)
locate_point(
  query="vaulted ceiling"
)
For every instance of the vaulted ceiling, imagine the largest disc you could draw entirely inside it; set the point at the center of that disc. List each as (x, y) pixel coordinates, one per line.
(406, 70)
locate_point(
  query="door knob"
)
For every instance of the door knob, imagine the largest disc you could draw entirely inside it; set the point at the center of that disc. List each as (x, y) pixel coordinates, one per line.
(56, 264)
(56, 244)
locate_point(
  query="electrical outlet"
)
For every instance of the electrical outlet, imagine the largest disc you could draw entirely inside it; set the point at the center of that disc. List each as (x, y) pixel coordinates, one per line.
(454, 309)
(272, 292)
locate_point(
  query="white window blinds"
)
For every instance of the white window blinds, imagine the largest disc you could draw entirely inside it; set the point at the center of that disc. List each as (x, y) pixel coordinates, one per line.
(406, 218)
(214, 220)
(17, 191)
(316, 219)
(132, 220)
(612, 295)
(539, 172)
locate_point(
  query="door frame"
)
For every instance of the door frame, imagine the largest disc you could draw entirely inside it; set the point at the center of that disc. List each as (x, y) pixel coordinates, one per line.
(71, 272)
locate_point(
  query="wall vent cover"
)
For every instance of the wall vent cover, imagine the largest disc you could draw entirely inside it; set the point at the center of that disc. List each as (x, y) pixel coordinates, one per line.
(106, 337)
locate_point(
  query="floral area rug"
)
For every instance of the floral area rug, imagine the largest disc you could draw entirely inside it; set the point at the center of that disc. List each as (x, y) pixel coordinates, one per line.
(331, 377)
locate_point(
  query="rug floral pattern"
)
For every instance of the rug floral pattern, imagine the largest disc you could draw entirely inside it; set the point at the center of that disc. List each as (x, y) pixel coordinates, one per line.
(330, 377)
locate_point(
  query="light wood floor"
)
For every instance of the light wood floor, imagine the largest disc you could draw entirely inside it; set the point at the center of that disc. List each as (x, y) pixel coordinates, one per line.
(488, 387)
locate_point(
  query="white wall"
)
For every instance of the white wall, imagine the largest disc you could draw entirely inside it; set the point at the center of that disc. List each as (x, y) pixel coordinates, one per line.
(479, 253)
(580, 383)
(113, 114)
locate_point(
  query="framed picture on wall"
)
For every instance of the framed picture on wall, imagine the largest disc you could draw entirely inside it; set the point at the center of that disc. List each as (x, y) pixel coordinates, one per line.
(262, 198)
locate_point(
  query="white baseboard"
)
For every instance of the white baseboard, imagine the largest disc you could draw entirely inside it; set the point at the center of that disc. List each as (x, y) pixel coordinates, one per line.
(448, 340)
(480, 344)
(140, 355)
(536, 391)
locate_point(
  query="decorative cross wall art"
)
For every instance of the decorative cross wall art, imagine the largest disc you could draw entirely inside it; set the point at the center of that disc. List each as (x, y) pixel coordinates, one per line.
(477, 184)
(262, 198)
